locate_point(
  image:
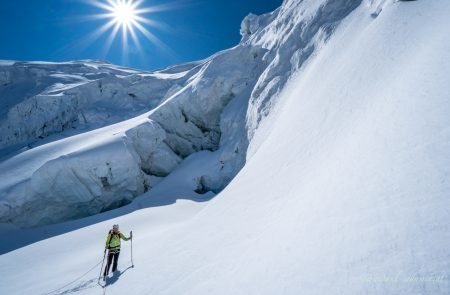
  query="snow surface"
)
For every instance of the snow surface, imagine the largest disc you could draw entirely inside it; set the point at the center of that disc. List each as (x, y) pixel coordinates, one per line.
(76, 177)
(344, 189)
(216, 104)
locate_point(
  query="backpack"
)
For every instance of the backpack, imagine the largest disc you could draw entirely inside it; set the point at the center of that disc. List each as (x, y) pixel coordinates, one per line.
(111, 233)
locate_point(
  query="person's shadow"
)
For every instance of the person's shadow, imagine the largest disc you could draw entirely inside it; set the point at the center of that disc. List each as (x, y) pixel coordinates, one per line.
(115, 277)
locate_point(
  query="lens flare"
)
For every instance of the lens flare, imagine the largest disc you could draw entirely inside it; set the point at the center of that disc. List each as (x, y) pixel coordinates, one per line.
(124, 13)
(129, 19)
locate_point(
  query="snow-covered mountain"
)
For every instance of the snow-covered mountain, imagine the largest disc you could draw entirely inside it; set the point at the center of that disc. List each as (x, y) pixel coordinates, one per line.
(214, 105)
(161, 118)
(325, 131)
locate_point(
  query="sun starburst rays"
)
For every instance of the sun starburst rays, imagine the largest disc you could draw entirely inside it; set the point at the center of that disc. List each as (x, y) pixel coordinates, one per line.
(128, 19)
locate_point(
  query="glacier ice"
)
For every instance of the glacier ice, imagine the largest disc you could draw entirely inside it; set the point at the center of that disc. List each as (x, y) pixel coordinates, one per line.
(154, 119)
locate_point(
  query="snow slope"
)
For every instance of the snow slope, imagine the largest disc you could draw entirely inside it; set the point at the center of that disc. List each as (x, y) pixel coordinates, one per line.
(346, 191)
(215, 104)
(102, 169)
(40, 99)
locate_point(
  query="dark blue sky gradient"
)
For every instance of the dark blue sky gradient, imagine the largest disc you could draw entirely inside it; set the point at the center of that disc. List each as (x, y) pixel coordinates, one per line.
(54, 30)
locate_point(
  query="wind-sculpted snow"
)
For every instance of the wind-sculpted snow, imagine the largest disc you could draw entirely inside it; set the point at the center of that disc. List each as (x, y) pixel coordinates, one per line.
(347, 193)
(40, 99)
(293, 33)
(79, 185)
(149, 122)
(187, 122)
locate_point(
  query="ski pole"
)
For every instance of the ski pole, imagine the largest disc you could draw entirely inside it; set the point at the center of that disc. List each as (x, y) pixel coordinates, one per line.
(131, 235)
(103, 262)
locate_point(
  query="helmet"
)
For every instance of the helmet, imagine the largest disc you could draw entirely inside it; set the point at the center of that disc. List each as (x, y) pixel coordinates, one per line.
(115, 226)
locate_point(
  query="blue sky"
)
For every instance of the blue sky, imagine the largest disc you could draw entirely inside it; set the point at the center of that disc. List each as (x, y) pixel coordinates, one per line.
(60, 30)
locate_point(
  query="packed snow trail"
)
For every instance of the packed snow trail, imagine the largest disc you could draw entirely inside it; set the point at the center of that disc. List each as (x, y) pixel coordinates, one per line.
(346, 192)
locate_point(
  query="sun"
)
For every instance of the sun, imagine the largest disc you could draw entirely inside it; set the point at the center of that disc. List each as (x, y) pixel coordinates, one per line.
(124, 13)
(130, 20)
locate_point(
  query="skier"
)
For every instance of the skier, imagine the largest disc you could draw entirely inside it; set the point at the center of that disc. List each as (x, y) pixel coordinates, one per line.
(113, 247)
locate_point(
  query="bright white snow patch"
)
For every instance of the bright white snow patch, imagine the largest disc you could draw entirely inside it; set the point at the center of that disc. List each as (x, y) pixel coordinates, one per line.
(347, 194)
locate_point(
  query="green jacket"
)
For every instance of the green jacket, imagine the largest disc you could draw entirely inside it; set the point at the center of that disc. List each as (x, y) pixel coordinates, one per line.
(113, 240)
